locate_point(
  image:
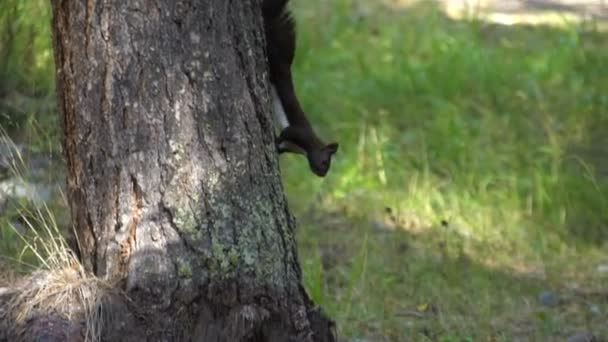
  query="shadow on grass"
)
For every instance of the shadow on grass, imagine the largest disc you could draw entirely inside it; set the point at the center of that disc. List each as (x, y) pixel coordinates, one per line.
(382, 282)
(376, 279)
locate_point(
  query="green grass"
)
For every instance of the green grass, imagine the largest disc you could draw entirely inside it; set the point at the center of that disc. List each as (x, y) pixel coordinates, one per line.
(498, 131)
(472, 173)
(26, 55)
(27, 96)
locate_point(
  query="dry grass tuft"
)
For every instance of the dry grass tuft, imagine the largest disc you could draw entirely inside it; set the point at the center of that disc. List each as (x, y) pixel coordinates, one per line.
(59, 285)
(68, 292)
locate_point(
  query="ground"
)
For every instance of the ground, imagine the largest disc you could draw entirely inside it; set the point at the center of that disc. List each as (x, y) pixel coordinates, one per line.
(467, 201)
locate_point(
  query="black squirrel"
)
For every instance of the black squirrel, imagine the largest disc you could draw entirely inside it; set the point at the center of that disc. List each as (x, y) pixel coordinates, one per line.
(297, 135)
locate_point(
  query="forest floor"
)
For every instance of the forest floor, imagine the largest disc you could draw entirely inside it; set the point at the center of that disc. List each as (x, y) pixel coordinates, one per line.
(510, 12)
(585, 8)
(468, 199)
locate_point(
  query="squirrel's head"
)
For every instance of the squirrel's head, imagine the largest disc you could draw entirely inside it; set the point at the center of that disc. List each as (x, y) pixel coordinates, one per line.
(320, 159)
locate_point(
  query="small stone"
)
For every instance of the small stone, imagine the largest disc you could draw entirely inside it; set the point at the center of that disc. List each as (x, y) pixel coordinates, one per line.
(547, 298)
(380, 226)
(595, 309)
(4, 290)
(582, 337)
(603, 268)
(20, 189)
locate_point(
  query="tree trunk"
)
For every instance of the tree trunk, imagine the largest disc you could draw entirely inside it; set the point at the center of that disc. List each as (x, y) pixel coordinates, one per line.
(173, 178)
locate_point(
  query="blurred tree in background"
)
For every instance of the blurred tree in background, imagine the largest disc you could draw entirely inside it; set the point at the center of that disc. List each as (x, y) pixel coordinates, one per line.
(26, 56)
(26, 63)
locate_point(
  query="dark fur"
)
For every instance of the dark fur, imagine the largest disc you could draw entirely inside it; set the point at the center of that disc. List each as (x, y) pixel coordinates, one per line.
(281, 47)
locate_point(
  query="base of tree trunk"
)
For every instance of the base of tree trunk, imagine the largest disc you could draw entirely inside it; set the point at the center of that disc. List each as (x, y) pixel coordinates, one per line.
(114, 317)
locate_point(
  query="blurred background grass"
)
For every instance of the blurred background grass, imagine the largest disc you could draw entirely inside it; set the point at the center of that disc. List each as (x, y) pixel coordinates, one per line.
(471, 181)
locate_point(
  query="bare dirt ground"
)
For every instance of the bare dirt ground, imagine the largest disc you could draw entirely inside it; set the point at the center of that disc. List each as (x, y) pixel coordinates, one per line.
(587, 8)
(526, 11)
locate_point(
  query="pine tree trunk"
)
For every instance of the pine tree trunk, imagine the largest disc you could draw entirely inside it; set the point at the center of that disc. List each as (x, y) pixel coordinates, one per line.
(173, 178)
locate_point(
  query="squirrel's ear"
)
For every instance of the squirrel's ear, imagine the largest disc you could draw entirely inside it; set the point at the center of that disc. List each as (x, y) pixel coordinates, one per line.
(332, 148)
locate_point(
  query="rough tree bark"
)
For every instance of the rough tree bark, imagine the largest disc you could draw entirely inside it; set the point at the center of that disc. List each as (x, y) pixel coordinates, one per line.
(173, 178)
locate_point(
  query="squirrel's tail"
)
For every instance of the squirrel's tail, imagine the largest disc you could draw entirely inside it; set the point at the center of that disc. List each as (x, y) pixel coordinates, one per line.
(272, 9)
(280, 32)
